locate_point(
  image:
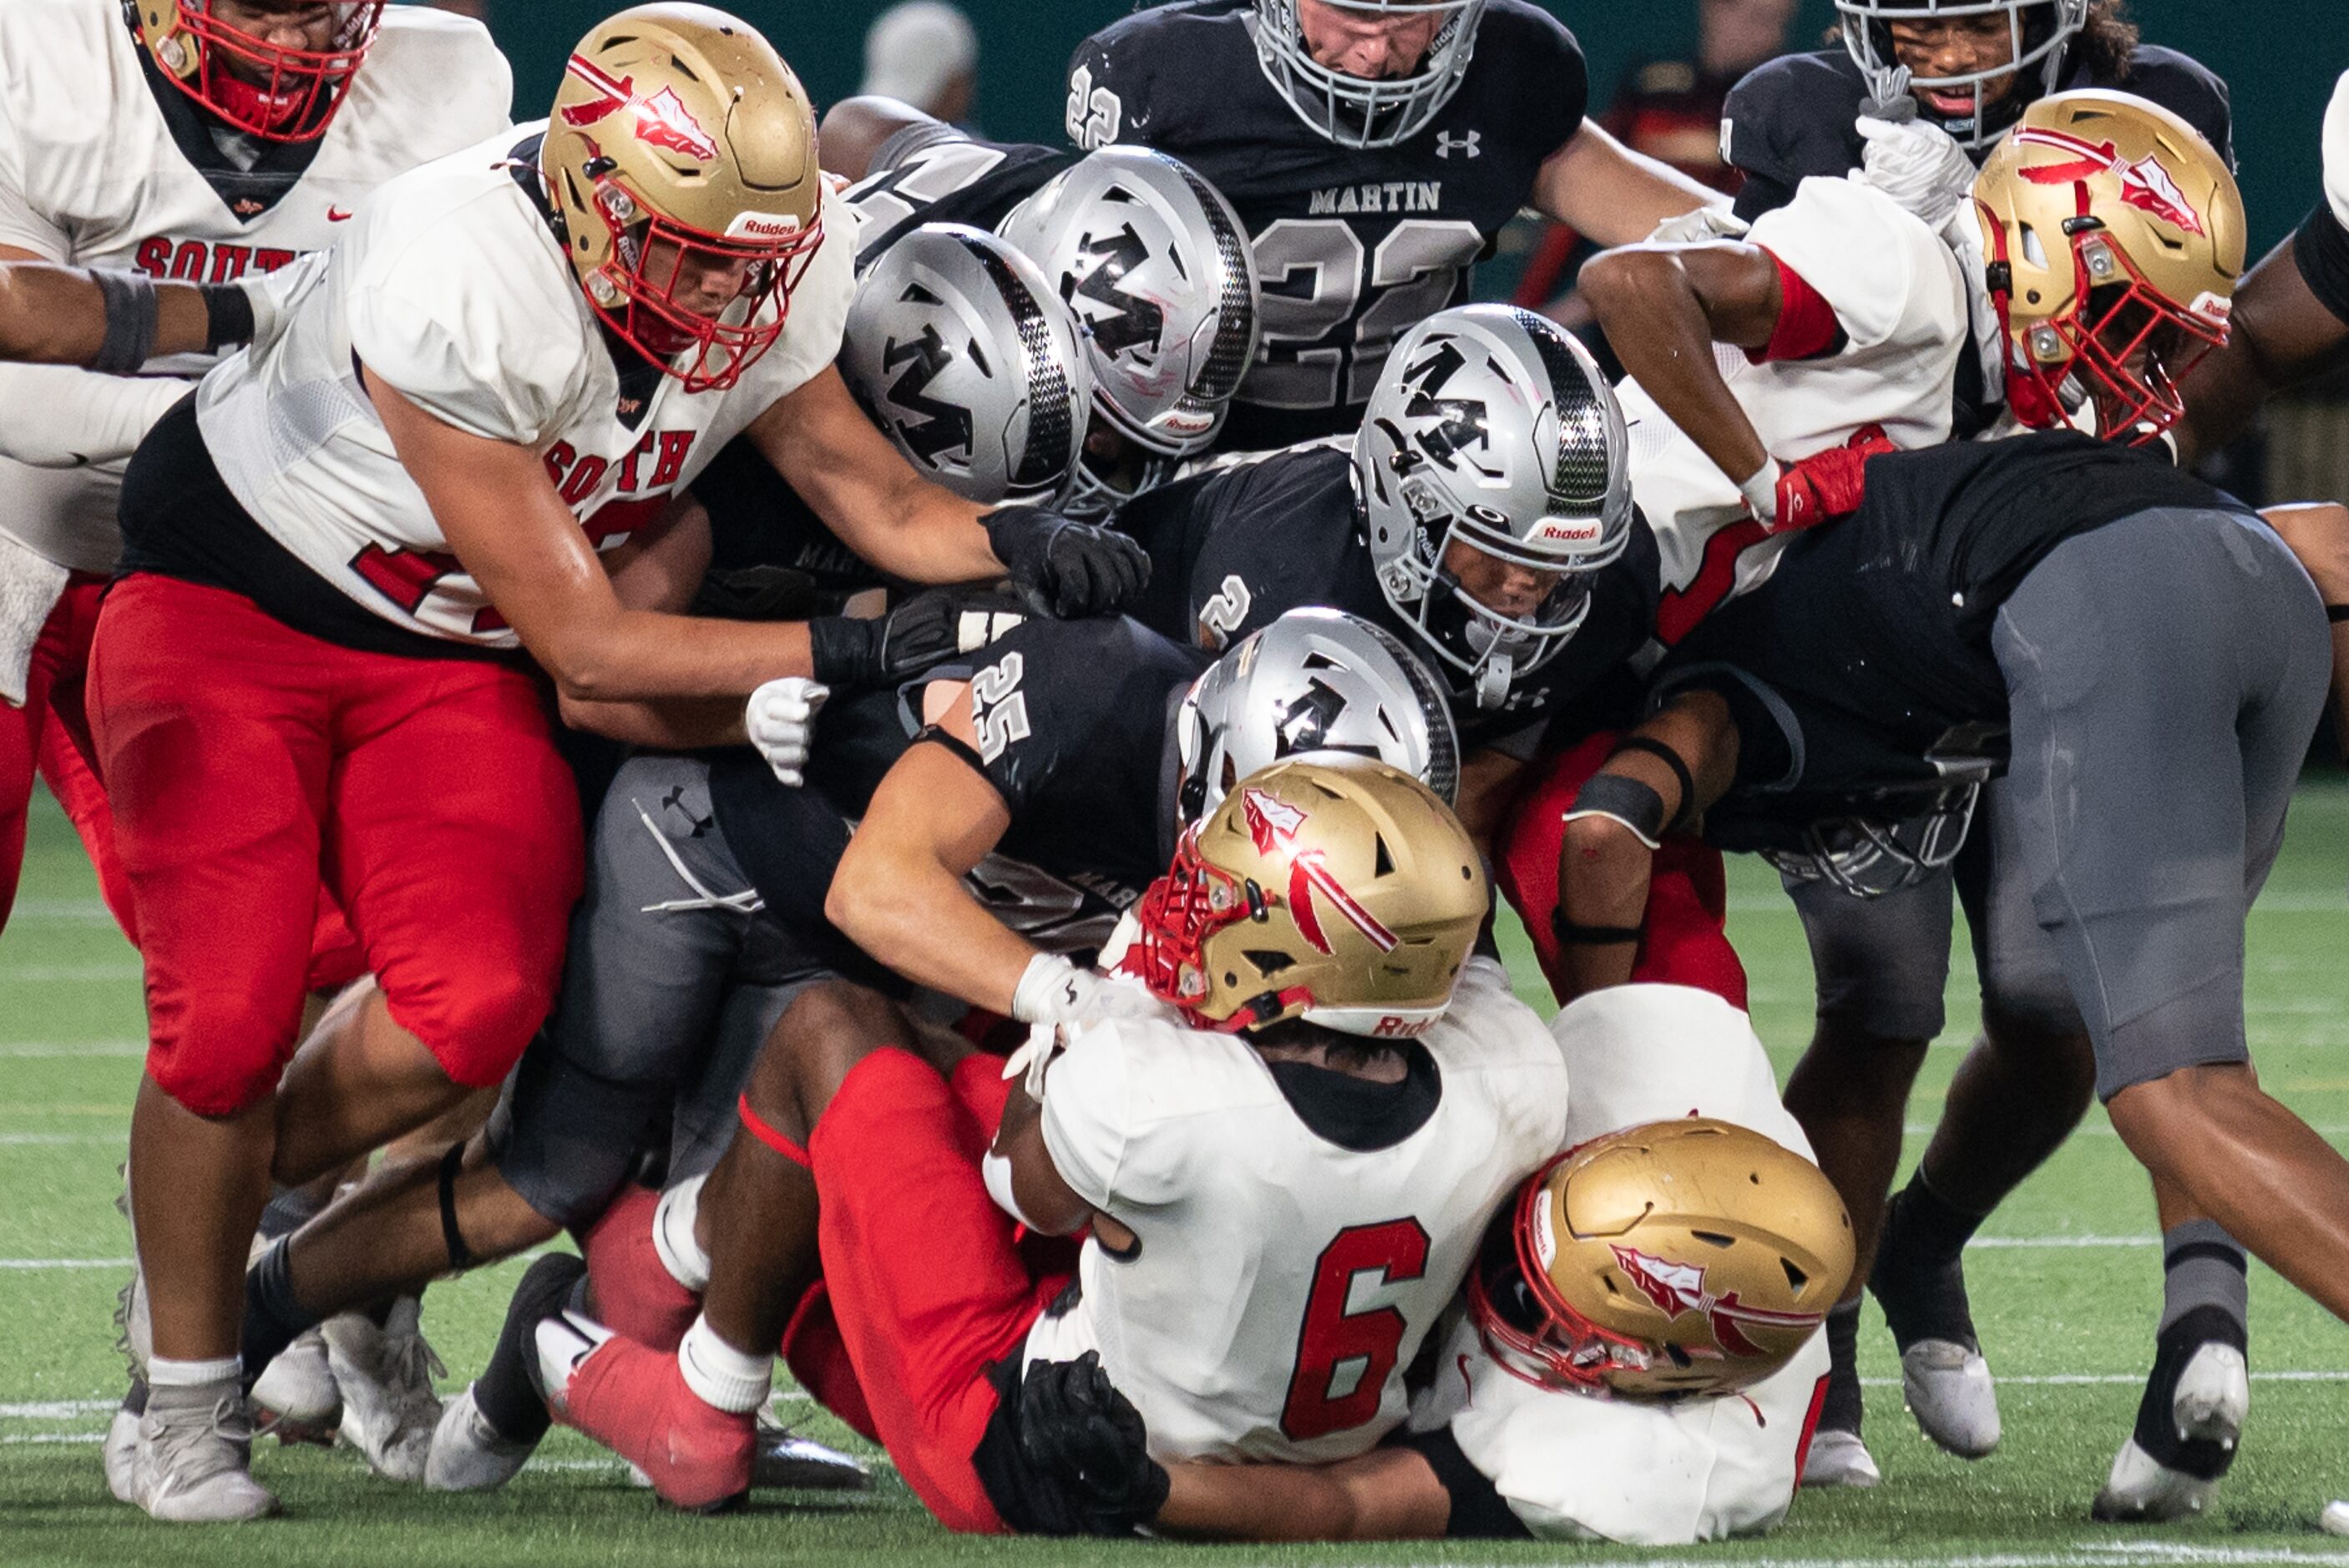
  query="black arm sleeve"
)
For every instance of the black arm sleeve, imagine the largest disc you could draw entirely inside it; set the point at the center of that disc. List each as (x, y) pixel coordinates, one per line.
(1478, 1510)
(2321, 251)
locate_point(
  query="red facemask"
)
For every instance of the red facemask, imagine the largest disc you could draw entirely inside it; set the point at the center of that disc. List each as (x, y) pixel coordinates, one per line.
(262, 88)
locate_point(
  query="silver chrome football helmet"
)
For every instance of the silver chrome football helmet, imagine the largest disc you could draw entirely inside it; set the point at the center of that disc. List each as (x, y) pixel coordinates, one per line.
(2038, 29)
(1158, 270)
(969, 361)
(1363, 112)
(1491, 427)
(1313, 680)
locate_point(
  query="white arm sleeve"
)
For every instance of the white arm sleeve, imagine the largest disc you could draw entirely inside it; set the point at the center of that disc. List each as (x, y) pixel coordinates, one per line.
(61, 417)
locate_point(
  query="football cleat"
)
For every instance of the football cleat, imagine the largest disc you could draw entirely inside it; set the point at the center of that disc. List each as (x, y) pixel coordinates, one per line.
(295, 1397)
(1947, 1387)
(783, 1461)
(385, 1374)
(2187, 1425)
(1839, 1458)
(634, 1401)
(194, 1450)
(121, 1452)
(469, 1454)
(635, 1294)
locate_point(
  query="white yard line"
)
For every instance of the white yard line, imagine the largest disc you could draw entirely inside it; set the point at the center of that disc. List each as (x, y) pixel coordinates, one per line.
(64, 1263)
(51, 1140)
(37, 1048)
(56, 1410)
(69, 974)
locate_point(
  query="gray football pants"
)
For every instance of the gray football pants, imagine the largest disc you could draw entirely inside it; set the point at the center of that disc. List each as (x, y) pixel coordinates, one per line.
(670, 985)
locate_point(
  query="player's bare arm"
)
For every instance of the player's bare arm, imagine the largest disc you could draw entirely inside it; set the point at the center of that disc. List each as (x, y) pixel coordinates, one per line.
(659, 571)
(2318, 533)
(504, 521)
(866, 491)
(2280, 334)
(1045, 1199)
(1611, 830)
(52, 314)
(855, 128)
(898, 893)
(1663, 307)
(1611, 193)
(1488, 782)
(1387, 1494)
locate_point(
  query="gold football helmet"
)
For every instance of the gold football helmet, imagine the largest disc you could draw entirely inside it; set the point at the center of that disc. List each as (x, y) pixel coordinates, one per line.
(2114, 235)
(264, 89)
(681, 154)
(1328, 886)
(1677, 1258)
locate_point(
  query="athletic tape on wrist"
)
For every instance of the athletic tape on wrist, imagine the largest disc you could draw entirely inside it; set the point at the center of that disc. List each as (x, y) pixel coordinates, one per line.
(130, 321)
(228, 315)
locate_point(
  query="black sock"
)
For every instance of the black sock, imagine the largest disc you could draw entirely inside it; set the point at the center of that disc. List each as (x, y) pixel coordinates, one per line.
(1840, 1411)
(1919, 1275)
(273, 1318)
(2156, 1424)
(506, 1393)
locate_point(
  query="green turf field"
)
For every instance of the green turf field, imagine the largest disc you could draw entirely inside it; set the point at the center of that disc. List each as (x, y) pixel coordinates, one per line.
(2066, 1287)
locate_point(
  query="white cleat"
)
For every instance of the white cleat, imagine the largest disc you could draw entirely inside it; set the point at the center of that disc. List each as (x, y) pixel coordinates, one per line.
(385, 1375)
(191, 1462)
(296, 1393)
(564, 1340)
(120, 1453)
(1949, 1389)
(1839, 1458)
(469, 1454)
(2211, 1403)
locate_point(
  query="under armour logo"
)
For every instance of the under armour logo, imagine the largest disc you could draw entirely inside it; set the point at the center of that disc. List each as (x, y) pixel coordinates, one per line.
(1447, 144)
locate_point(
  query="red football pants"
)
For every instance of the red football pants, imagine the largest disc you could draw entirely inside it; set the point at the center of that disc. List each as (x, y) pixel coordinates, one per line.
(1685, 939)
(927, 1284)
(248, 763)
(51, 732)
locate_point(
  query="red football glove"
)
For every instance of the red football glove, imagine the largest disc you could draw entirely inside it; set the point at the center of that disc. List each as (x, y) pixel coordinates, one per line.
(1826, 485)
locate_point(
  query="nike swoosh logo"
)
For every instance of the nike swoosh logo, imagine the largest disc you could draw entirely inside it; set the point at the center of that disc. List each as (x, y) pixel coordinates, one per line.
(336, 216)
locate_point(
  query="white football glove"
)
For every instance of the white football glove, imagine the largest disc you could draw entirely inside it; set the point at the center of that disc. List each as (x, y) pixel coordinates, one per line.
(1916, 164)
(1054, 998)
(781, 718)
(1713, 221)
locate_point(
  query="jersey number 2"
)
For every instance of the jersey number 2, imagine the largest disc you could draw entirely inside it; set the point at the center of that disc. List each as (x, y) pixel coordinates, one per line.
(1353, 1350)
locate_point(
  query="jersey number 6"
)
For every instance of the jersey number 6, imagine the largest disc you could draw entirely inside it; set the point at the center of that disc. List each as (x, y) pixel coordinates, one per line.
(1355, 1352)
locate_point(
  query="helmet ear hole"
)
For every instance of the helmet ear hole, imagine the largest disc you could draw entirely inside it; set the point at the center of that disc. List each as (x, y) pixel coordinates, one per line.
(1795, 1278)
(1382, 862)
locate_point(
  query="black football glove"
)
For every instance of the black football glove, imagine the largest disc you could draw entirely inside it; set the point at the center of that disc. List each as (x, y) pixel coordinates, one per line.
(1065, 568)
(851, 655)
(1077, 1430)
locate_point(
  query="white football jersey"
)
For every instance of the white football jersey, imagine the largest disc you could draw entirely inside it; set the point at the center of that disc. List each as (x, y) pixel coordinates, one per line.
(91, 173)
(2336, 152)
(1283, 1283)
(1898, 293)
(450, 287)
(1575, 1466)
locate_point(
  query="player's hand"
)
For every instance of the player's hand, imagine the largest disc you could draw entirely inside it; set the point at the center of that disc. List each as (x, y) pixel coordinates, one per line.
(1062, 568)
(851, 655)
(780, 720)
(1078, 1430)
(1826, 485)
(1052, 990)
(1714, 220)
(1916, 163)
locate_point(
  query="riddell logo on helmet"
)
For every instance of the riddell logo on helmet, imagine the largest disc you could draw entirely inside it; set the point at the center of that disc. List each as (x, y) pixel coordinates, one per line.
(2144, 183)
(762, 226)
(1395, 1027)
(662, 121)
(1565, 530)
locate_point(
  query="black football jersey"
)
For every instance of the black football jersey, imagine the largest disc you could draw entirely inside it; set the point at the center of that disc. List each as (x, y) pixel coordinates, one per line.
(1234, 549)
(771, 557)
(1355, 247)
(1074, 732)
(1795, 116)
(2321, 251)
(1862, 673)
(935, 174)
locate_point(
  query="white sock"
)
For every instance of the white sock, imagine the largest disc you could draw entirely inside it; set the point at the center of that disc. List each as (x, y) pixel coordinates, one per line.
(673, 1222)
(164, 1373)
(724, 1378)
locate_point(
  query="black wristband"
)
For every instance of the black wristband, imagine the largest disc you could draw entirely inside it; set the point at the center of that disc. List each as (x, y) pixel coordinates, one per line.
(1575, 935)
(2336, 612)
(130, 322)
(1664, 754)
(840, 651)
(228, 315)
